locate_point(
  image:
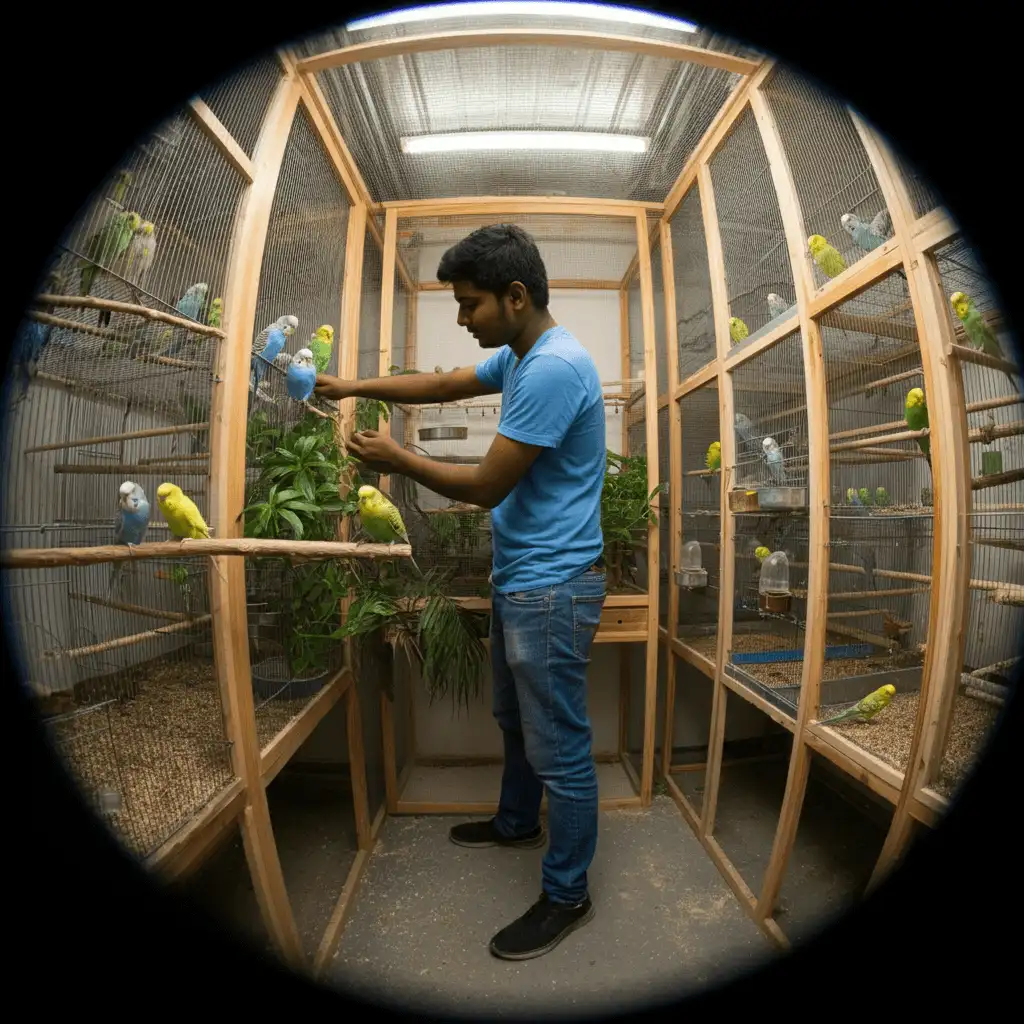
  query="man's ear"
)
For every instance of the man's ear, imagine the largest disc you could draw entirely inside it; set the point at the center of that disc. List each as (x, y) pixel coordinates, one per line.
(518, 296)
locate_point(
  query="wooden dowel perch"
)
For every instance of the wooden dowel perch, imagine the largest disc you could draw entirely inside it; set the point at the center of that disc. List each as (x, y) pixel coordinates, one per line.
(974, 355)
(868, 442)
(997, 666)
(872, 385)
(986, 435)
(107, 333)
(132, 435)
(91, 302)
(129, 641)
(1011, 476)
(157, 460)
(134, 609)
(985, 698)
(42, 558)
(138, 469)
(983, 685)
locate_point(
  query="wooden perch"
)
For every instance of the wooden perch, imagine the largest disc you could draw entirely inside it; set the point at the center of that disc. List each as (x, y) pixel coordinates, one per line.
(973, 355)
(107, 333)
(128, 641)
(995, 667)
(178, 364)
(985, 698)
(91, 302)
(859, 634)
(1011, 594)
(135, 609)
(702, 472)
(1011, 476)
(132, 435)
(43, 558)
(870, 325)
(986, 435)
(873, 385)
(868, 442)
(127, 471)
(156, 460)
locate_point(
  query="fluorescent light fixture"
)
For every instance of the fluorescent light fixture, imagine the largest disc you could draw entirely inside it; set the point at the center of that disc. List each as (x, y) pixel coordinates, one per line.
(556, 8)
(595, 142)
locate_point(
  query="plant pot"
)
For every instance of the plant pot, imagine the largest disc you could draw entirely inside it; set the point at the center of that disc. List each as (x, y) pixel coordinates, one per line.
(777, 604)
(272, 678)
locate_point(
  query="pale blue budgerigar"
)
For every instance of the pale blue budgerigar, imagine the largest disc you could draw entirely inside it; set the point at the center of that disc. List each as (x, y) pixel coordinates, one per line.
(867, 236)
(773, 456)
(744, 428)
(130, 524)
(32, 336)
(301, 375)
(777, 305)
(190, 306)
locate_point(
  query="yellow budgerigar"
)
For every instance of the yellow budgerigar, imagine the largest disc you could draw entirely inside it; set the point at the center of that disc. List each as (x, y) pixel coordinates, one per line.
(826, 256)
(381, 520)
(738, 330)
(866, 708)
(713, 458)
(183, 518)
(761, 553)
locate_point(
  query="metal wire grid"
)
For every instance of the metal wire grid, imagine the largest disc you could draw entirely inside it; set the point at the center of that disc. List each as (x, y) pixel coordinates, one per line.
(695, 324)
(830, 167)
(753, 241)
(923, 195)
(769, 401)
(635, 320)
(994, 400)
(664, 513)
(872, 360)
(240, 100)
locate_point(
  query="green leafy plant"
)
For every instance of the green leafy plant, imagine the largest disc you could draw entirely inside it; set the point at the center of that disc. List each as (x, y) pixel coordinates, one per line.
(626, 509)
(369, 412)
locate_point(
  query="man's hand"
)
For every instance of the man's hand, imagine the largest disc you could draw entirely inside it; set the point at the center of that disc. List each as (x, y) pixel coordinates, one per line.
(377, 451)
(333, 387)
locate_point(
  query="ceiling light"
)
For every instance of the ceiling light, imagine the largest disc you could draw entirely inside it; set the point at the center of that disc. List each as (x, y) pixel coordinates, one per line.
(453, 142)
(602, 12)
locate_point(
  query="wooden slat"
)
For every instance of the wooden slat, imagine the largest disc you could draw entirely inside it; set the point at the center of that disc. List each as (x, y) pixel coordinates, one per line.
(212, 127)
(392, 788)
(387, 315)
(694, 658)
(499, 206)
(934, 229)
(357, 763)
(755, 348)
(378, 49)
(227, 494)
(554, 284)
(698, 379)
(856, 278)
(867, 769)
(759, 702)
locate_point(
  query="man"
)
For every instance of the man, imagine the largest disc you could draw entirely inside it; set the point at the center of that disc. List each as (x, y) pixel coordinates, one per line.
(542, 477)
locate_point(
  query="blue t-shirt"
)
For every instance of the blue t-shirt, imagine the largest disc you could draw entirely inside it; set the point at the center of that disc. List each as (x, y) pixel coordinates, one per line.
(548, 529)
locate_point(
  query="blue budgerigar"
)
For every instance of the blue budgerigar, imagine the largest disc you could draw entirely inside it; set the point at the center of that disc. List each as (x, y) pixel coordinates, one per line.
(301, 375)
(269, 344)
(866, 236)
(191, 306)
(131, 523)
(773, 456)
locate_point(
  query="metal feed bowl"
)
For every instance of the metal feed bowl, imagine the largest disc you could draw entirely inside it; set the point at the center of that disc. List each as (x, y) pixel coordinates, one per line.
(443, 433)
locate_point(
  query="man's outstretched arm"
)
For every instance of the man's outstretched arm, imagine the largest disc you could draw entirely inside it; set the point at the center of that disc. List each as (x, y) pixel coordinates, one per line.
(409, 388)
(486, 484)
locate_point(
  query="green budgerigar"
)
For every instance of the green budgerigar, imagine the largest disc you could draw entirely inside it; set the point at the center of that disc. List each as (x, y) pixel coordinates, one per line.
(881, 497)
(713, 458)
(381, 520)
(915, 412)
(866, 708)
(107, 245)
(320, 345)
(826, 256)
(738, 330)
(215, 317)
(761, 553)
(865, 496)
(978, 332)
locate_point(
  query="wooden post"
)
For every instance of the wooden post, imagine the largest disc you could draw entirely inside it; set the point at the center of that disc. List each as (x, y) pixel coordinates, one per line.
(387, 311)
(951, 487)
(818, 507)
(720, 306)
(227, 494)
(653, 534)
(675, 490)
(624, 649)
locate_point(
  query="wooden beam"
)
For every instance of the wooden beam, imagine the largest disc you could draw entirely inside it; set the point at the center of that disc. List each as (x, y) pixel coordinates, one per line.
(379, 49)
(935, 228)
(387, 315)
(357, 762)
(818, 505)
(847, 757)
(212, 127)
(856, 278)
(653, 533)
(555, 284)
(755, 348)
(698, 379)
(227, 478)
(490, 206)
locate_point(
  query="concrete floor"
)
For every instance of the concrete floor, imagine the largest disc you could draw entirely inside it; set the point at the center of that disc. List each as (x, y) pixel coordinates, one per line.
(426, 910)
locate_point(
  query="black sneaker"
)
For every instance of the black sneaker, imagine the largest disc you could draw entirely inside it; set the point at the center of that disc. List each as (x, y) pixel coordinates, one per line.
(540, 929)
(483, 833)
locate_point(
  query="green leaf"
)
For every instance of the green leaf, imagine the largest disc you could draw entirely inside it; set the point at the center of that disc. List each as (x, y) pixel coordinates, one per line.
(301, 506)
(294, 521)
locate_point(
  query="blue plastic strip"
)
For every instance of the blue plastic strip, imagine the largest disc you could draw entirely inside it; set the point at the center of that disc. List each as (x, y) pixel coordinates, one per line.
(769, 657)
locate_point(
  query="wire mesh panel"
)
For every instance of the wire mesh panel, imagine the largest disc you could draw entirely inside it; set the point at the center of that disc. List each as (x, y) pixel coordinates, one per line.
(695, 325)
(839, 196)
(635, 319)
(664, 513)
(753, 241)
(698, 574)
(769, 497)
(923, 195)
(240, 100)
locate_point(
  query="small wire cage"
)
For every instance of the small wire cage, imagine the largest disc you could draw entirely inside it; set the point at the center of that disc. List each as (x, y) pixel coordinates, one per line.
(753, 241)
(695, 324)
(839, 195)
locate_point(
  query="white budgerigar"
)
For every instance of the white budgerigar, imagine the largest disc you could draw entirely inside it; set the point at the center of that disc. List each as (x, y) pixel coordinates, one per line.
(777, 305)
(773, 456)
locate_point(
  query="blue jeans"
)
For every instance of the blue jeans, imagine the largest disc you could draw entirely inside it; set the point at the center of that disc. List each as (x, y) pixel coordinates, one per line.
(540, 649)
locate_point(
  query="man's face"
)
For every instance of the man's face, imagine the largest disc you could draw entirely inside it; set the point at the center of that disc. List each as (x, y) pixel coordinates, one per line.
(491, 320)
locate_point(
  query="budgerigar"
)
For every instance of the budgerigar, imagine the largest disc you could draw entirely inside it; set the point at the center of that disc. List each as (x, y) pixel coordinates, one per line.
(761, 553)
(301, 375)
(978, 332)
(320, 345)
(141, 253)
(865, 496)
(190, 306)
(381, 520)
(852, 497)
(130, 524)
(777, 305)
(826, 256)
(773, 456)
(107, 246)
(438, 369)
(738, 330)
(744, 428)
(915, 412)
(866, 708)
(881, 496)
(269, 344)
(865, 236)
(183, 518)
(713, 458)
(216, 315)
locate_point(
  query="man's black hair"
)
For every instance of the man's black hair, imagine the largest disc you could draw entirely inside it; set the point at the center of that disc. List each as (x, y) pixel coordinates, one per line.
(492, 258)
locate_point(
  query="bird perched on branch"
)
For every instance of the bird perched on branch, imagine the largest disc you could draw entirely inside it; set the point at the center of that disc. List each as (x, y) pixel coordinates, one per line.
(826, 256)
(773, 456)
(852, 497)
(107, 246)
(190, 306)
(713, 457)
(881, 497)
(866, 708)
(761, 553)
(320, 345)
(867, 236)
(381, 520)
(130, 524)
(777, 305)
(865, 496)
(267, 347)
(915, 412)
(301, 375)
(183, 517)
(738, 330)
(216, 315)
(980, 335)
(141, 253)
